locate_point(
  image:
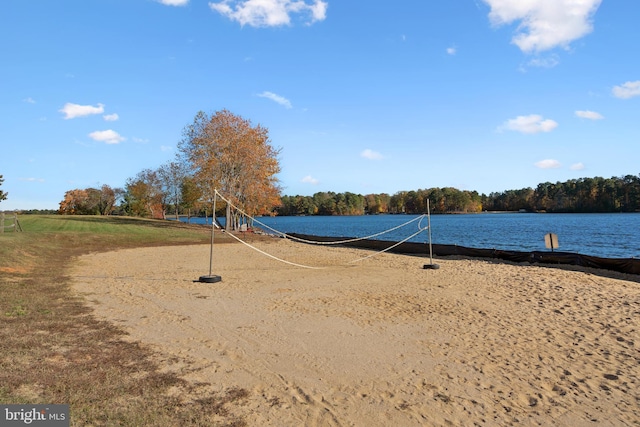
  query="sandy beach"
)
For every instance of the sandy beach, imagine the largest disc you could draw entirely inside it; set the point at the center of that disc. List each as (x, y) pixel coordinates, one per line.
(380, 341)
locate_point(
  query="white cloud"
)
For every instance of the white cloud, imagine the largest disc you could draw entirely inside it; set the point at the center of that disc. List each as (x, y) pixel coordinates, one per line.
(276, 98)
(577, 167)
(269, 13)
(71, 111)
(310, 180)
(533, 123)
(165, 148)
(111, 117)
(548, 164)
(29, 100)
(107, 136)
(544, 62)
(544, 24)
(627, 90)
(451, 50)
(591, 115)
(371, 155)
(32, 179)
(174, 2)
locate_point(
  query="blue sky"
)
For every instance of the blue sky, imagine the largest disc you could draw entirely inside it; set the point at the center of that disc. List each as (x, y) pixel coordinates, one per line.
(366, 97)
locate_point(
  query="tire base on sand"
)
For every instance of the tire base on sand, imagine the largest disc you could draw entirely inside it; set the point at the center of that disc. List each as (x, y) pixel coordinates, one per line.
(209, 279)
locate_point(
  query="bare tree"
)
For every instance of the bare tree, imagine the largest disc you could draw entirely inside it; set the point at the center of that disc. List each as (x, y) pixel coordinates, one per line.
(172, 176)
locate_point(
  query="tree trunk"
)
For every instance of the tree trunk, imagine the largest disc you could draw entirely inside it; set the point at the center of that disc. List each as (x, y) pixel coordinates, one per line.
(229, 220)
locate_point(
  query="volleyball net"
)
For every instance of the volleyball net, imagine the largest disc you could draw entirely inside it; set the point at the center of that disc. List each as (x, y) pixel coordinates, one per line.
(278, 233)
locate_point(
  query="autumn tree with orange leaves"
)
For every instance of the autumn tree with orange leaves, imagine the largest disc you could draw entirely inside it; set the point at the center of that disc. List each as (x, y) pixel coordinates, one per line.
(90, 201)
(145, 195)
(225, 152)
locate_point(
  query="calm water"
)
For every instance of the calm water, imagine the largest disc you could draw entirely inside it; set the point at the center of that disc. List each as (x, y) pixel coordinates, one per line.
(604, 235)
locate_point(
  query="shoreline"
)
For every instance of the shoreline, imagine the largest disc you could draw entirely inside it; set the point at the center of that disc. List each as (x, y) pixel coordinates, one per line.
(549, 258)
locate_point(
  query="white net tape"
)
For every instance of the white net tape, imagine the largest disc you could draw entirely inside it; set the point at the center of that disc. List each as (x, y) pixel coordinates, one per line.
(338, 242)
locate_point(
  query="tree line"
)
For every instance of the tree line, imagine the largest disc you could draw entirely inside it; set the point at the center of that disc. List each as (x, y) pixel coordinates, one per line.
(225, 154)
(169, 190)
(615, 194)
(441, 200)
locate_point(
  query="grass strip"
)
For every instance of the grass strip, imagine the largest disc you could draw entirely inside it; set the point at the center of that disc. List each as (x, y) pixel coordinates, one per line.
(53, 350)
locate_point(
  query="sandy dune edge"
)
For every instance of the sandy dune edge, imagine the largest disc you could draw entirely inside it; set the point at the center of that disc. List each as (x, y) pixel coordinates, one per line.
(380, 341)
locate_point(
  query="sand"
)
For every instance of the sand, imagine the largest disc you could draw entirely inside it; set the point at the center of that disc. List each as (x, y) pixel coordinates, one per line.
(379, 342)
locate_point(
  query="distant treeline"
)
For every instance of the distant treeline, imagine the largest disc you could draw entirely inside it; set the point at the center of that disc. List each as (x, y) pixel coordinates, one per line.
(442, 200)
(578, 195)
(616, 194)
(39, 212)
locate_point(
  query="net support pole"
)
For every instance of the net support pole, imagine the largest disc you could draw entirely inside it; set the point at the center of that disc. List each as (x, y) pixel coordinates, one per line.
(211, 278)
(431, 265)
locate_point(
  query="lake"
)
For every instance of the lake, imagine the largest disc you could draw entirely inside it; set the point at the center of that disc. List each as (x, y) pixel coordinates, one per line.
(604, 235)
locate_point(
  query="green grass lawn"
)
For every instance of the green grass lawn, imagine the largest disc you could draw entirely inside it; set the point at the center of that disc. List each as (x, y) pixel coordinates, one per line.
(54, 351)
(148, 229)
(59, 236)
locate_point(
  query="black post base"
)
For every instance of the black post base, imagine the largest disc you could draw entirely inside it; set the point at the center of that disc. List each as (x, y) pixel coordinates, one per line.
(209, 279)
(431, 266)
